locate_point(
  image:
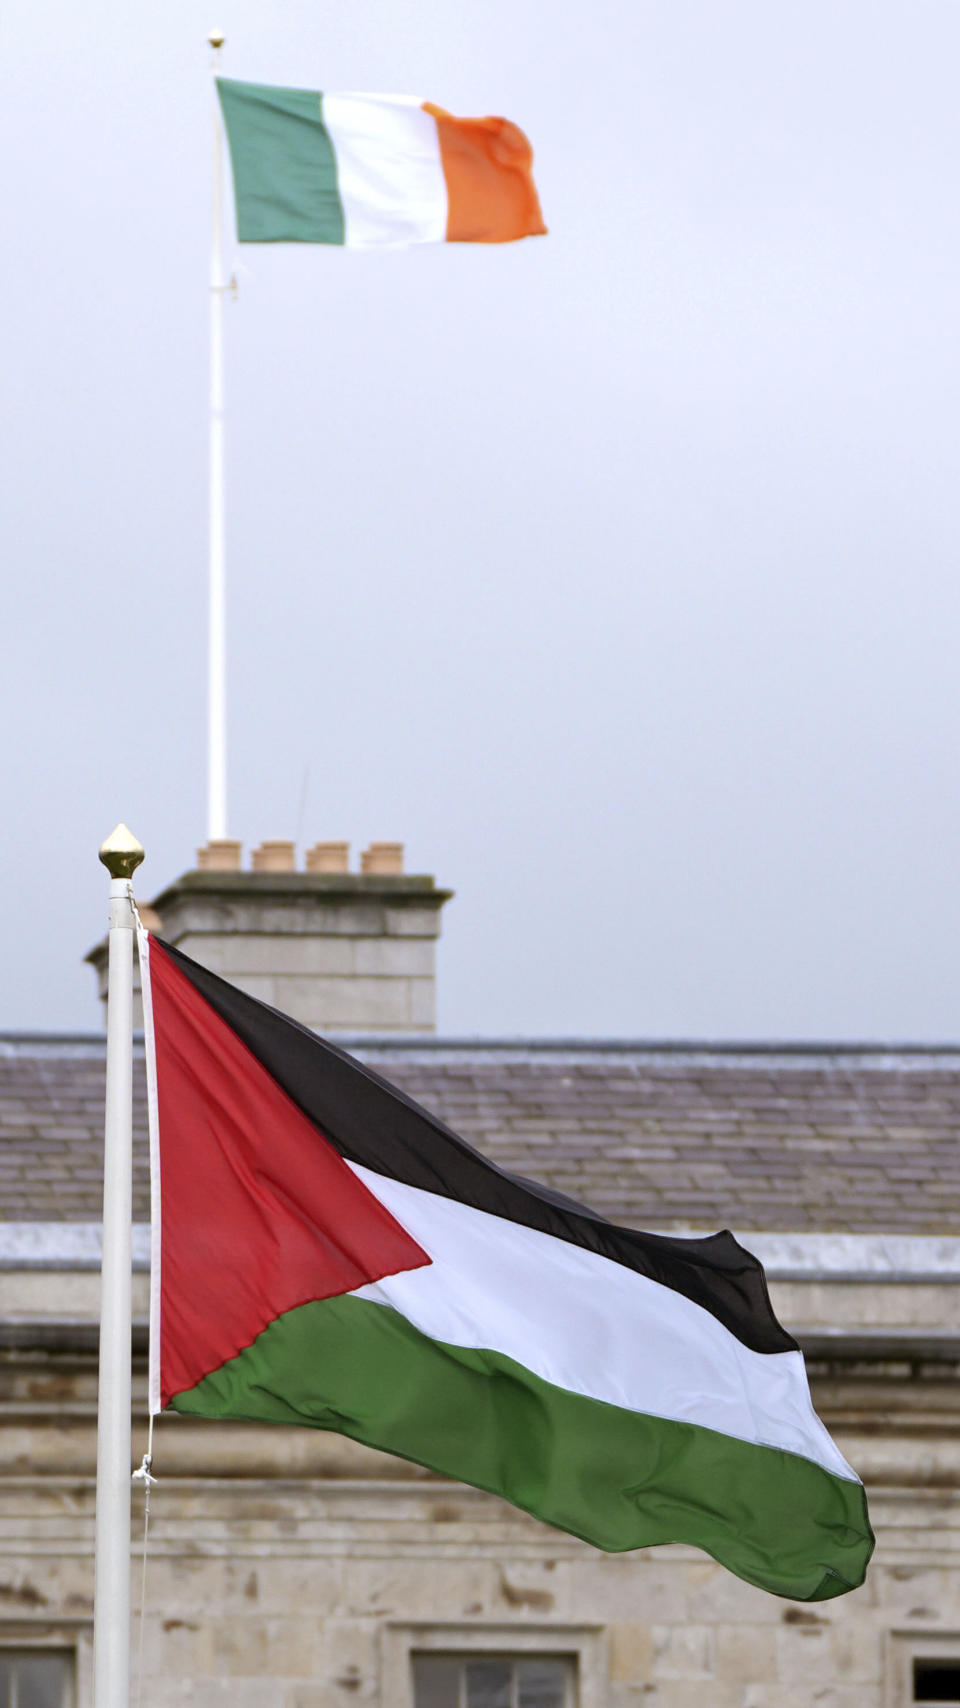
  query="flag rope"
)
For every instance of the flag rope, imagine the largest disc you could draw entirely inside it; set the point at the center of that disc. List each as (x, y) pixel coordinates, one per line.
(144, 1473)
(144, 1476)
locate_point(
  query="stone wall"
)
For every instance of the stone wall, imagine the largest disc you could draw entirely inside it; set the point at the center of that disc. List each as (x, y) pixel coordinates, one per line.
(294, 1569)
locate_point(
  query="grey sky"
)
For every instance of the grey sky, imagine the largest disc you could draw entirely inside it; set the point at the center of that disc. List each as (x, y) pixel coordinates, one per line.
(615, 572)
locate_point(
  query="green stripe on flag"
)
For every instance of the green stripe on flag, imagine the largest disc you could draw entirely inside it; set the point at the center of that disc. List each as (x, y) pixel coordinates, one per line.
(284, 165)
(618, 1479)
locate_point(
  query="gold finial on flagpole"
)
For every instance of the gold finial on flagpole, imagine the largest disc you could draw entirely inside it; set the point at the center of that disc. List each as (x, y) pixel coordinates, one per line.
(216, 38)
(121, 853)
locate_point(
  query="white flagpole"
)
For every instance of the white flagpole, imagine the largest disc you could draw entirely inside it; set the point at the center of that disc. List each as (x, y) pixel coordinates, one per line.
(121, 854)
(217, 620)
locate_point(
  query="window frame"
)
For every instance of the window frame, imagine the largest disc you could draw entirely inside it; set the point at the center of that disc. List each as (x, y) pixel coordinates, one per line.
(463, 1658)
(586, 1645)
(904, 1646)
(21, 1639)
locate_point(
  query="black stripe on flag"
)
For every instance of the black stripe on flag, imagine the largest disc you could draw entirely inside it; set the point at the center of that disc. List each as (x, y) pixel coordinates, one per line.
(373, 1124)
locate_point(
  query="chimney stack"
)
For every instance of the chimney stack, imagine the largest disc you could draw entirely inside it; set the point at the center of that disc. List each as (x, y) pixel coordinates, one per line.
(340, 951)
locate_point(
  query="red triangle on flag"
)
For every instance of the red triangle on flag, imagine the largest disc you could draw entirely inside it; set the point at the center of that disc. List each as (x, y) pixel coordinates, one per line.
(258, 1212)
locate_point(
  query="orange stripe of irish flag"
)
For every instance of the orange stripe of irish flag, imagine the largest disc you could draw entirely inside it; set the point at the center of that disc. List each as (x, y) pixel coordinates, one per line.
(488, 167)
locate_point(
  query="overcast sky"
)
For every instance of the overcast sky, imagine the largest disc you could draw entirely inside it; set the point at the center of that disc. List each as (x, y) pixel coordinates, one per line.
(615, 572)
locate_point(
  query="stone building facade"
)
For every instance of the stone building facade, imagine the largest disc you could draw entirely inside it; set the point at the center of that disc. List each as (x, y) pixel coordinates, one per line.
(295, 1569)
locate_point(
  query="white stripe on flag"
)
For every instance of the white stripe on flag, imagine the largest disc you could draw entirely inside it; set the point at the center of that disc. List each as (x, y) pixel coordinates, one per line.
(389, 172)
(591, 1326)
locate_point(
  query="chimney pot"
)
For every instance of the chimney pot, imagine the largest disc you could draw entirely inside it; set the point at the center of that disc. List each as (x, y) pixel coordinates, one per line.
(383, 859)
(328, 857)
(222, 856)
(274, 856)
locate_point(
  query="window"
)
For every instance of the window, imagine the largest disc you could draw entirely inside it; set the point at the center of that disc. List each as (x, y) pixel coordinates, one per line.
(464, 1664)
(936, 1681)
(922, 1666)
(493, 1681)
(36, 1678)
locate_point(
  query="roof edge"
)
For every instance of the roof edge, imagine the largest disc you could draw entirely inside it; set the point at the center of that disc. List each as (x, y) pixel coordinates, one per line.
(785, 1256)
(429, 1044)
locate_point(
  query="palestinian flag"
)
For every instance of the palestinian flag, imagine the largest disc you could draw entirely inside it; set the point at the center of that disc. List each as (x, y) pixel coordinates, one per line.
(327, 1253)
(373, 171)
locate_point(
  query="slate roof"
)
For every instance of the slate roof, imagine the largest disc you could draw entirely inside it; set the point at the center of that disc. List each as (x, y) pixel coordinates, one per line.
(819, 1138)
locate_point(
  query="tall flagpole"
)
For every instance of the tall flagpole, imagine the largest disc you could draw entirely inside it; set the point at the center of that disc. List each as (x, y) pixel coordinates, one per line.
(121, 854)
(217, 620)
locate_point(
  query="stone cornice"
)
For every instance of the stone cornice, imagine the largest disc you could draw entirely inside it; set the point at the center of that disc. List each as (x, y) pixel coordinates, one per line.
(786, 1257)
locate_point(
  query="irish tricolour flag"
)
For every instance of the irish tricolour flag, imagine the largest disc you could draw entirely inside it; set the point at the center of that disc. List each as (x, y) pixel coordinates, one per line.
(327, 1253)
(373, 171)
